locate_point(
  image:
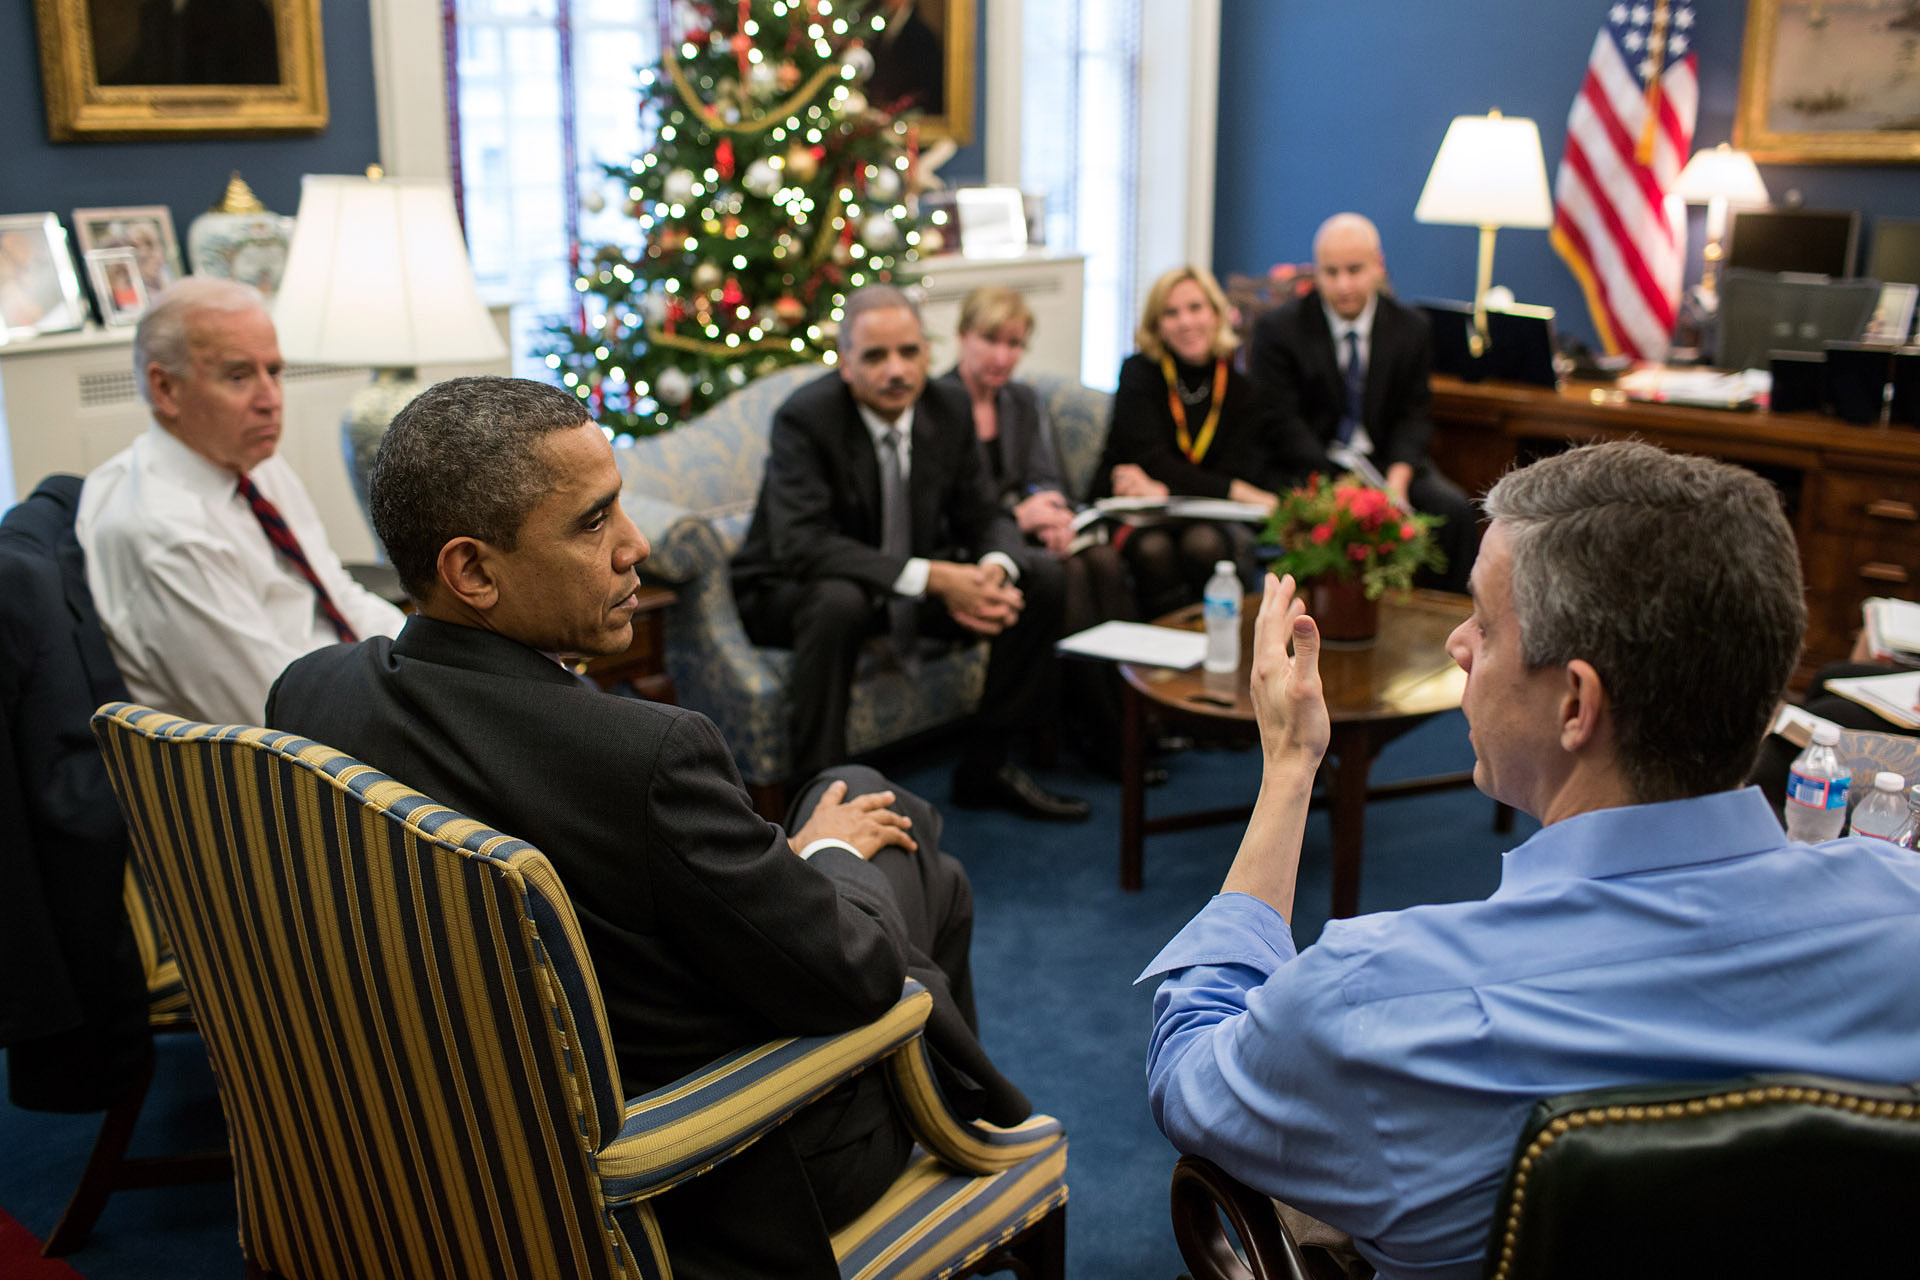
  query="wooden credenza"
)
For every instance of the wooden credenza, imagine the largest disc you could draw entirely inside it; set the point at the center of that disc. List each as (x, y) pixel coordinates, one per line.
(1853, 493)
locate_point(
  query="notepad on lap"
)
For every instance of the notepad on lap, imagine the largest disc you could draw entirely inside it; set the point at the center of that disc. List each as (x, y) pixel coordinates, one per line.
(1891, 697)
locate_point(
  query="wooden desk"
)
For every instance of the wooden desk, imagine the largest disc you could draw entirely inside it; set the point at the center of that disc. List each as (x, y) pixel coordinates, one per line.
(645, 661)
(1852, 493)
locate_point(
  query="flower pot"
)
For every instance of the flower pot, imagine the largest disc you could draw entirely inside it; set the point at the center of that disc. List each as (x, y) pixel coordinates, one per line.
(1341, 609)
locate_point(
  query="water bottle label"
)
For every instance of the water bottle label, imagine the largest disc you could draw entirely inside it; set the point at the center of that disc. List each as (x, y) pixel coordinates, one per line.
(1817, 793)
(1222, 608)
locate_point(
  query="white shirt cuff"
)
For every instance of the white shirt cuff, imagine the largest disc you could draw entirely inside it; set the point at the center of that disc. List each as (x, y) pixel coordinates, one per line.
(912, 581)
(828, 842)
(1005, 561)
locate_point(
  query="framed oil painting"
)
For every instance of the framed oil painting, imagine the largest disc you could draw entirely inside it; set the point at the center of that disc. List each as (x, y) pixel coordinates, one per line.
(1830, 81)
(147, 69)
(923, 60)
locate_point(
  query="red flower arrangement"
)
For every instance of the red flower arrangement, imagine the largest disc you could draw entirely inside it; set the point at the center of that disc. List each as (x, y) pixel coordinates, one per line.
(1349, 528)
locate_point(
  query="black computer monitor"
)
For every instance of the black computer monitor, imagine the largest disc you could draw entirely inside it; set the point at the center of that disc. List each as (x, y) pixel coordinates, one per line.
(1810, 241)
(1895, 252)
(1450, 322)
(1763, 312)
(1519, 342)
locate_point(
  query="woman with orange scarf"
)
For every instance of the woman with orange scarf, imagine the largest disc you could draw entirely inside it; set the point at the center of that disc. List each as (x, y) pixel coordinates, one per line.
(1186, 423)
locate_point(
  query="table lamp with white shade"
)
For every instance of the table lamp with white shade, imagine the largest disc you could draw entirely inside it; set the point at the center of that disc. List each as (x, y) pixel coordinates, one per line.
(378, 275)
(1488, 174)
(1719, 178)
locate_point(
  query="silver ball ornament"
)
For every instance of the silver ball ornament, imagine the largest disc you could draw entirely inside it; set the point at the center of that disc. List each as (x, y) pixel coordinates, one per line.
(677, 187)
(761, 179)
(861, 61)
(883, 182)
(673, 387)
(880, 232)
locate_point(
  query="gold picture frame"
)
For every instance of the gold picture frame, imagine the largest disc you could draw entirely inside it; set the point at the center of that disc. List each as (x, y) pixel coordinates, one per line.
(924, 34)
(133, 70)
(1812, 89)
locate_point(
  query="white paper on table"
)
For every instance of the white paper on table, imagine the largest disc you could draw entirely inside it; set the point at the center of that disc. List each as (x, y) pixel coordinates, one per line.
(1890, 697)
(1117, 504)
(1138, 642)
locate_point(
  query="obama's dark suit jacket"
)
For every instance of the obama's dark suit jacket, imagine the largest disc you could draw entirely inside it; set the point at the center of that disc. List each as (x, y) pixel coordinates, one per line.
(707, 933)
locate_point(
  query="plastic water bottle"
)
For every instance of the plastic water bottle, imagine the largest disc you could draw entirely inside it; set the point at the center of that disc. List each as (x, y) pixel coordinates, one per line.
(1908, 836)
(1816, 806)
(1222, 599)
(1883, 810)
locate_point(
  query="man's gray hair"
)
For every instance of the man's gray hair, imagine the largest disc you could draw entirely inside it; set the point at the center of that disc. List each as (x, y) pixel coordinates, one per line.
(462, 461)
(163, 336)
(1678, 579)
(873, 297)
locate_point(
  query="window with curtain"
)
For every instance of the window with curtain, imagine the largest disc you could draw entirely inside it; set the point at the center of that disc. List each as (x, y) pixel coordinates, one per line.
(542, 93)
(1080, 145)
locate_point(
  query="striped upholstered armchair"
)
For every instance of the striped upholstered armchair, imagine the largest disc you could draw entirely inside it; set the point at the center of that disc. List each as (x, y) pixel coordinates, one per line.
(692, 492)
(405, 1025)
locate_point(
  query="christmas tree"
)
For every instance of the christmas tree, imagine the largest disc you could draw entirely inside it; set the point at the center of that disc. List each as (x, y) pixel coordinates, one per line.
(772, 188)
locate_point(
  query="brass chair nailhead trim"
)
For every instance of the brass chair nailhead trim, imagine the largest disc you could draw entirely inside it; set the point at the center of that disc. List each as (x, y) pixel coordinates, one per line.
(1673, 1111)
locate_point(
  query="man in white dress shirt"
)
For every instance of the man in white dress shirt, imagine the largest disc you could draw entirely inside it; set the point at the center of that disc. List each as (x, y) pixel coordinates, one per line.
(205, 556)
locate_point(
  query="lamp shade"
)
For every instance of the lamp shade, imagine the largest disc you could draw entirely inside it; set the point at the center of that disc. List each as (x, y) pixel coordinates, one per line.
(1721, 171)
(1489, 173)
(378, 275)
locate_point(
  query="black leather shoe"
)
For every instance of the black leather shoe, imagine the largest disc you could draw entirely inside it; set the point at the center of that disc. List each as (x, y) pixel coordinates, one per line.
(1012, 788)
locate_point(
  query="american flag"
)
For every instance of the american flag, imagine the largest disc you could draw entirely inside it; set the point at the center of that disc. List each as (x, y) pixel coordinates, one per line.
(1628, 136)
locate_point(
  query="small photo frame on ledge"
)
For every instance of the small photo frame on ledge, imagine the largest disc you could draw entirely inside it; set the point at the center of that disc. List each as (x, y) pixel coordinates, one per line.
(39, 291)
(117, 286)
(145, 229)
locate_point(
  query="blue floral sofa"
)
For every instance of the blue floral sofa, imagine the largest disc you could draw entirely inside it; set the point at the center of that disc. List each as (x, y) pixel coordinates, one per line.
(692, 493)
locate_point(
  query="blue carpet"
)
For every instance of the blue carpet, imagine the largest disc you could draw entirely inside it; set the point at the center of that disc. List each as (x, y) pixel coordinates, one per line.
(1056, 948)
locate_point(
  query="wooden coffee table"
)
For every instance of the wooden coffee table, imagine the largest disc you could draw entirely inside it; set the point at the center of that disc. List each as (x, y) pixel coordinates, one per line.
(1375, 693)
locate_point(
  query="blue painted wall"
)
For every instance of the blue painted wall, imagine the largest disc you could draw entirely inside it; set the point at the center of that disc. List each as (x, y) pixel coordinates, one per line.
(1325, 107)
(187, 176)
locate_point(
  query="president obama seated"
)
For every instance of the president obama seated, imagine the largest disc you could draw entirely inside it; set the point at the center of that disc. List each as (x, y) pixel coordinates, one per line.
(874, 519)
(710, 929)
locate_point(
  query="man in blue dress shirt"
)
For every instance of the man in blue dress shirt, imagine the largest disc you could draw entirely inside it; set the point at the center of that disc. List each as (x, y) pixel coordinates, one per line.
(1636, 616)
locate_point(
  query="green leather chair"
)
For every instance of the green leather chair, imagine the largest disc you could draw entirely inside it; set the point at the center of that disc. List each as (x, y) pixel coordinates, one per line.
(1765, 1175)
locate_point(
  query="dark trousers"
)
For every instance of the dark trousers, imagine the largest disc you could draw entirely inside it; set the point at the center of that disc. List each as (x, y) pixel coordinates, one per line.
(827, 621)
(852, 1142)
(1433, 494)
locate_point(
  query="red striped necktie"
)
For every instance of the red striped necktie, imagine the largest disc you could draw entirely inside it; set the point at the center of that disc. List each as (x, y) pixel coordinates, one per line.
(275, 526)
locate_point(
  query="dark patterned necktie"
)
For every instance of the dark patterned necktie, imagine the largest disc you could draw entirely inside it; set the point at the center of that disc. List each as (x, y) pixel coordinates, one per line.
(1356, 376)
(275, 527)
(896, 539)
